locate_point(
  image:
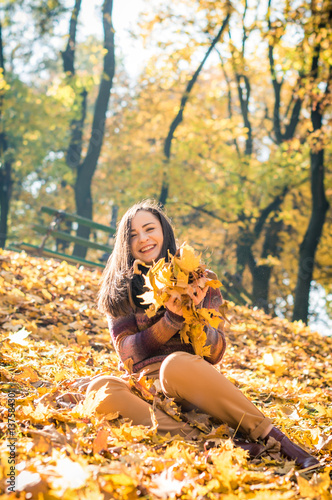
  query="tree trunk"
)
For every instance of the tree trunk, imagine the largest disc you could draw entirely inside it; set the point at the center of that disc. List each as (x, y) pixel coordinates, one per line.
(311, 239)
(247, 239)
(244, 243)
(261, 284)
(74, 151)
(261, 274)
(5, 165)
(68, 56)
(244, 98)
(320, 206)
(87, 168)
(5, 190)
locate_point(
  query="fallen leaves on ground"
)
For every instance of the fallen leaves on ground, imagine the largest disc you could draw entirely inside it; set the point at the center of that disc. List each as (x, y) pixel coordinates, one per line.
(53, 340)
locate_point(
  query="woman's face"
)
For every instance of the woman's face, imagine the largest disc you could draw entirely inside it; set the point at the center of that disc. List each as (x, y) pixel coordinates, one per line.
(146, 237)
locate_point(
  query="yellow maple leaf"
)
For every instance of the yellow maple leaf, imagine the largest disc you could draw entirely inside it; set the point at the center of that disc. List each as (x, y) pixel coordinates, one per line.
(197, 337)
(182, 279)
(184, 333)
(187, 260)
(88, 407)
(165, 274)
(210, 316)
(28, 373)
(40, 414)
(148, 298)
(213, 283)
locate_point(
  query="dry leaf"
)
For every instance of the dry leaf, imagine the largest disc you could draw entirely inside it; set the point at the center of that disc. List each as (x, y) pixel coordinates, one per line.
(100, 443)
(88, 407)
(178, 279)
(19, 337)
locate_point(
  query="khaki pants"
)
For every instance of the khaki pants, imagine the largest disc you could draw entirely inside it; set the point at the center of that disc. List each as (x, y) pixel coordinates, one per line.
(187, 379)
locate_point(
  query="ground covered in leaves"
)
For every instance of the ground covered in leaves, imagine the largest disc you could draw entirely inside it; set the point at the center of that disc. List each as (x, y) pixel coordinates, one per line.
(52, 337)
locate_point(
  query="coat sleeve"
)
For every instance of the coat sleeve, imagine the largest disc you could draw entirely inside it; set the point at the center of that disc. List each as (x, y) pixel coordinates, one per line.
(136, 343)
(215, 336)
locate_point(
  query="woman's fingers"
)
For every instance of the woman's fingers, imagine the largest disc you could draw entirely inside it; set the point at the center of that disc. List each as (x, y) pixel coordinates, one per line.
(174, 305)
(199, 294)
(196, 293)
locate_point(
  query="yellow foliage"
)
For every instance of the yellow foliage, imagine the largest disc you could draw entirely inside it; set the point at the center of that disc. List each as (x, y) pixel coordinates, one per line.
(180, 278)
(317, 487)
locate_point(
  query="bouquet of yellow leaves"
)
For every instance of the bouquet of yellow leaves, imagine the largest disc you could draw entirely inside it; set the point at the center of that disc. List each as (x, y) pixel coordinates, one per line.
(180, 278)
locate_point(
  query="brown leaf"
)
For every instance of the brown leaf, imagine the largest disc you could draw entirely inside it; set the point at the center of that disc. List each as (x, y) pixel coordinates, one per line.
(100, 442)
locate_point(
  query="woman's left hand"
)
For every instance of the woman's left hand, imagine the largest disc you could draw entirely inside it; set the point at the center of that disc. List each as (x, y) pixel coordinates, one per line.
(198, 294)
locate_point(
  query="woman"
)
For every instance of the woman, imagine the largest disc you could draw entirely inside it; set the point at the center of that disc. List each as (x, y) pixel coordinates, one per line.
(153, 346)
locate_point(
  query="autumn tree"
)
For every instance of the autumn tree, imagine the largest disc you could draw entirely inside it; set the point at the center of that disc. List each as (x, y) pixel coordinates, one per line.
(267, 221)
(320, 29)
(227, 145)
(85, 167)
(19, 95)
(179, 116)
(270, 105)
(284, 119)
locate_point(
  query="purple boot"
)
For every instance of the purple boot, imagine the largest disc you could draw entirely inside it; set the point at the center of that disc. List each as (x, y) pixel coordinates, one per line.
(292, 450)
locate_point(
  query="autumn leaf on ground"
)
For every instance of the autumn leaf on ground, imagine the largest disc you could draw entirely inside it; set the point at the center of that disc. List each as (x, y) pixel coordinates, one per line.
(316, 487)
(87, 407)
(100, 442)
(19, 337)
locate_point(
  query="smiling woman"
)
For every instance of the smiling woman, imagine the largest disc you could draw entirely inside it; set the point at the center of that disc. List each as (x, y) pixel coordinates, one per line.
(153, 347)
(144, 225)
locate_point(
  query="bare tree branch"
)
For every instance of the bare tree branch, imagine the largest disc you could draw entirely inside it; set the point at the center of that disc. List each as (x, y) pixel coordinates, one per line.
(244, 36)
(244, 92)
(200, 208)
(271, 207)
(229, 97)
(179, 117)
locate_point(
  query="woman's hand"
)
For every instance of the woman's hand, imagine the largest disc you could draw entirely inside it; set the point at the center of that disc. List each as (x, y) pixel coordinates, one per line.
(197, 294)
(174, 305)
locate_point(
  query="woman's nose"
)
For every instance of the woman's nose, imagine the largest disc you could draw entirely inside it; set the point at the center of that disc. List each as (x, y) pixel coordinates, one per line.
(142, 236)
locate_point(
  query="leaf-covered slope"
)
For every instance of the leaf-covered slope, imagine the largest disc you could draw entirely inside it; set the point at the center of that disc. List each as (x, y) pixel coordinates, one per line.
(67, 452)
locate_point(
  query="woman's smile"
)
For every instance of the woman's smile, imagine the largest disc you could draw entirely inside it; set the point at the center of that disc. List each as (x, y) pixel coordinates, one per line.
(147, 248)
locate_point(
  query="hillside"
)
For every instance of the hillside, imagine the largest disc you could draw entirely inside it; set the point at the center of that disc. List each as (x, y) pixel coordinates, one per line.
(52, 335)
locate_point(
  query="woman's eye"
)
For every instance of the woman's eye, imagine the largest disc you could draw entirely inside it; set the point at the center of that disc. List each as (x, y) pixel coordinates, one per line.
(150, 229)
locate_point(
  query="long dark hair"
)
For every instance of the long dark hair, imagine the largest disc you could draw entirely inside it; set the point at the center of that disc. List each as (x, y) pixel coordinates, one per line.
(114, 294)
